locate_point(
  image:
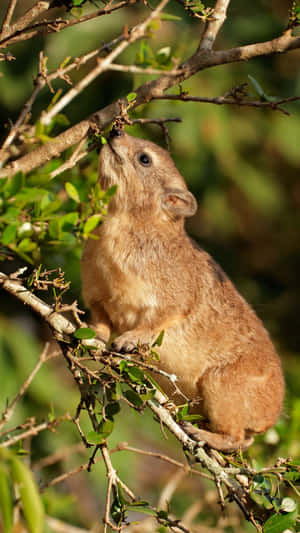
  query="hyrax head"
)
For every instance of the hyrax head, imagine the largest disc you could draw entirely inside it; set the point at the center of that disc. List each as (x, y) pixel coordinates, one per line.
(146, 177)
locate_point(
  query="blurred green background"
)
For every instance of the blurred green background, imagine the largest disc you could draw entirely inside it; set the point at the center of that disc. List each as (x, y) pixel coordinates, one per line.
(243, 166)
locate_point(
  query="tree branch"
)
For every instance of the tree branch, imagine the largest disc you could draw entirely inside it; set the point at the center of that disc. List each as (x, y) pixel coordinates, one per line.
(145, 93)
(63, 328)
(212, 27)
(22, 31)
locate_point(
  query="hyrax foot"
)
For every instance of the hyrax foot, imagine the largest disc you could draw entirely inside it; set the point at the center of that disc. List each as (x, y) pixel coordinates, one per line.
(129, 341)
(218, 441)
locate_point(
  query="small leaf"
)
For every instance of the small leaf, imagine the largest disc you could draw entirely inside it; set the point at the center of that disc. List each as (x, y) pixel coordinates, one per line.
(135, 373)
(133, 398)
(27, 245)
(72, 191)
(13, 186)
(68, 221)
(131, 97)
(29, 494)
(91, 223)
(278, 523)
(257, 87)
(169, 16)
(105, 429)
(84, 333)
(9, 234)
(141, 509)
(112, 409)
(159, 339)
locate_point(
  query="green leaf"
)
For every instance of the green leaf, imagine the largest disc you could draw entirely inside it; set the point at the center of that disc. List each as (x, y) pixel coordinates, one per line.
(257, 87)
(123, 366)
(112, 409)
(131, 97)
(141, 509)
(135, 373)
(278, 523)
(92, 223)
(133, 398)
(13, 186)
(31, 194)
(84, 333)
(169, 16)
(105, 429)
(159, 339)
(27, 245)
(72, 192)
(68, 221)
(29, 494)
(9, 234)
(6, 501)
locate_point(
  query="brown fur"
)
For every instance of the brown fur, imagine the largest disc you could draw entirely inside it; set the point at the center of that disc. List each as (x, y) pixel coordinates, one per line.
(144, 275)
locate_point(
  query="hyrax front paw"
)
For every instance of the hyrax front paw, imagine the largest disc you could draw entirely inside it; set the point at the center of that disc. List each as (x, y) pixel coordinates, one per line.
(131, 340)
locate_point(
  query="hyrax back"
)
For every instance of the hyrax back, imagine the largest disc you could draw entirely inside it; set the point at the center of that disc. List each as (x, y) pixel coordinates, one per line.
(144, 275)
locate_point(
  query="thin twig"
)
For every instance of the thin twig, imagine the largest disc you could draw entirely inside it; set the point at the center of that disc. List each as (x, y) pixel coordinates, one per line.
(223, 100)
(7, 414)
(136, 33)
(22, 31)
(35, 430)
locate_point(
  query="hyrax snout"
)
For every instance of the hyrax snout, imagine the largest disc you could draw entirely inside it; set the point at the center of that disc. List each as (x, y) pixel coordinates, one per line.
(144, 274)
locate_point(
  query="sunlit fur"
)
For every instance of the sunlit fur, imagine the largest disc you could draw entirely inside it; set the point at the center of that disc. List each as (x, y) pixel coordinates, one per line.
(144, 275)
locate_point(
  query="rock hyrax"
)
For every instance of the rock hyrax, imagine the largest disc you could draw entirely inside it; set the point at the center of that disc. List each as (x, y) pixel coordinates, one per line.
(144, 274)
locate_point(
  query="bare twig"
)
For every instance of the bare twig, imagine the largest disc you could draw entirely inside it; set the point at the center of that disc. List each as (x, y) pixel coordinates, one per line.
(223, 100)
(136, 33)
(35, 430)
(7, 414)
(22, 30)
(139, 70)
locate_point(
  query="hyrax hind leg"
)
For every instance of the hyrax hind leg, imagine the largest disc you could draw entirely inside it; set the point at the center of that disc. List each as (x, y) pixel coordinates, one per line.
(240, 399)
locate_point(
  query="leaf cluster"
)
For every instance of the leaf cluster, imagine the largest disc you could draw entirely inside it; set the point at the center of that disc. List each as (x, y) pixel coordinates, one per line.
(38, 213)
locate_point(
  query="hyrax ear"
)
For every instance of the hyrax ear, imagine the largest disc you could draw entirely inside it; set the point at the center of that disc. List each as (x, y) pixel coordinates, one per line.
(179, 202)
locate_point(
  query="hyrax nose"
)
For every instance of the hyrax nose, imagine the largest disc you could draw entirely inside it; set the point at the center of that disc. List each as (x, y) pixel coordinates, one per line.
(116, 132)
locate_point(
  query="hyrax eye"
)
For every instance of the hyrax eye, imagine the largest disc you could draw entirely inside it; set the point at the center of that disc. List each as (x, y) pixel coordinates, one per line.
(144, 159)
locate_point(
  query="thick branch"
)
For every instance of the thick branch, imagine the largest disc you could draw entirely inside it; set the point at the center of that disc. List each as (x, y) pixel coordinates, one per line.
(213, 26)
(145, 93)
